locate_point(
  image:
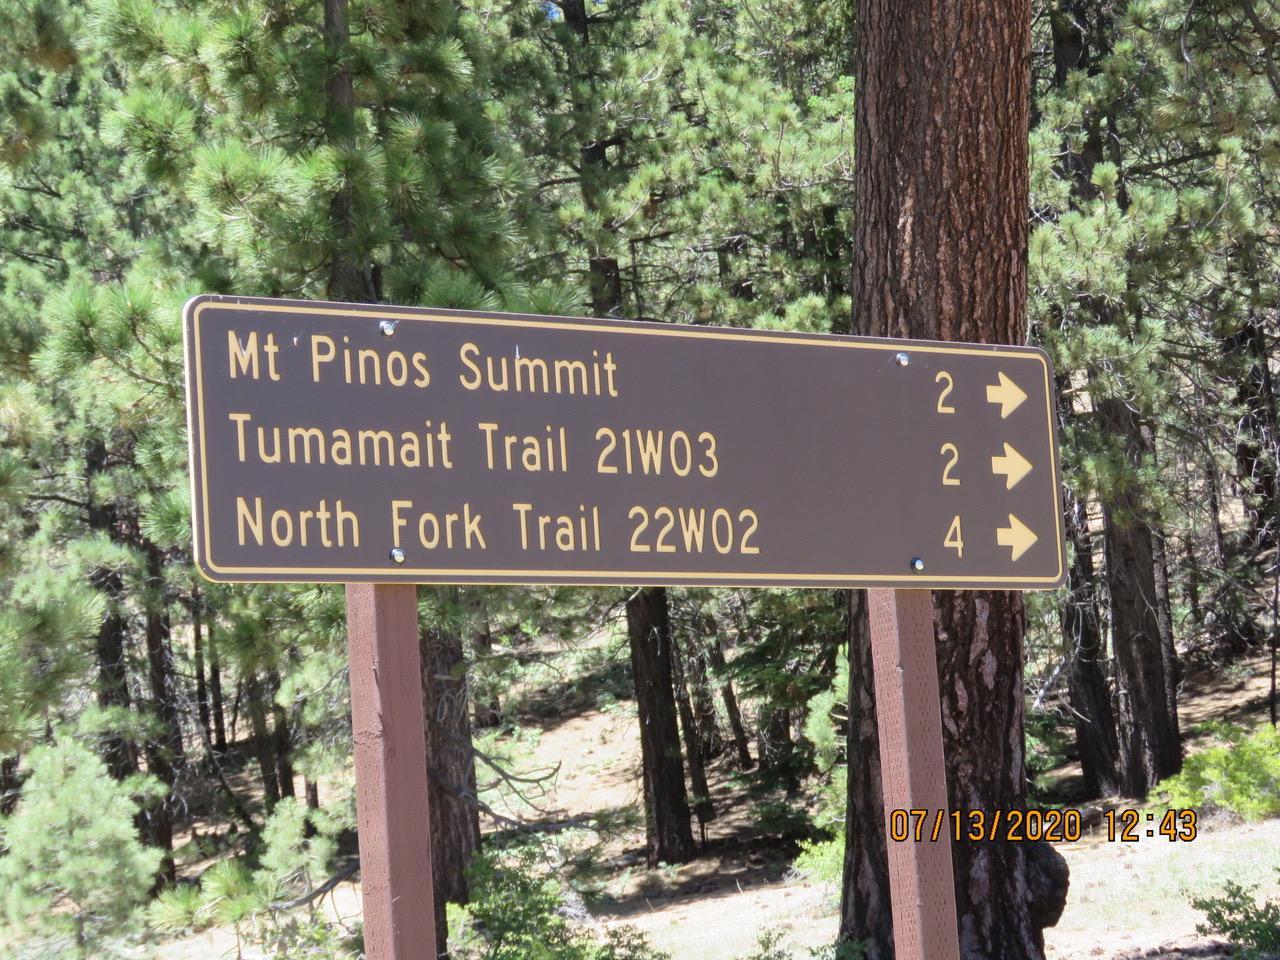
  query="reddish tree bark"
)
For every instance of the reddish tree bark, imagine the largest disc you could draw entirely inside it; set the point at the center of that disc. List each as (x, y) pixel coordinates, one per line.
(940, 253)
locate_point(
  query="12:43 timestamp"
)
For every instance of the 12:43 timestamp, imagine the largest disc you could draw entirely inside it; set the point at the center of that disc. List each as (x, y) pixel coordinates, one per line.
(1130, 826)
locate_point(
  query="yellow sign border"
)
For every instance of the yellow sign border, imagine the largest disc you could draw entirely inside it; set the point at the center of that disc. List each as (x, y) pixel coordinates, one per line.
(435, 575)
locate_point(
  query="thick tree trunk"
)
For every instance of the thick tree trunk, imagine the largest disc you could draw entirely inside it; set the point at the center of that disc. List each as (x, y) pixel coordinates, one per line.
(670, 839)
(1087, 687)
(451, 767)
(1150, 747)
(941, 221)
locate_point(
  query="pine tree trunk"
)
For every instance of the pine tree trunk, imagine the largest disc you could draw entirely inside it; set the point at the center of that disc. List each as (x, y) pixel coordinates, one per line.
(119, 754)
(1258, 444)
(604, 275)
(1150, 747)
(697, 670)
(263, 741)
(865, 910)
(1164, 616)
(670, 839)
(283, 736)
(164, 753)
(941, 220)
(775, 746)
(348, 279)
(1088, 690)
(1164, 604)
(202, 689)
(710, 740)
(741, 743)
(215, 692)
(235, 708)
(1192, 582)
(703, 808)
(451, 765)
(1213, 488)
(488, 709)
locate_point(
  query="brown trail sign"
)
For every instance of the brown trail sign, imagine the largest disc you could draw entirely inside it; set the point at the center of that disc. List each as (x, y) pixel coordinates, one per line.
(354, 443)
(374, 445)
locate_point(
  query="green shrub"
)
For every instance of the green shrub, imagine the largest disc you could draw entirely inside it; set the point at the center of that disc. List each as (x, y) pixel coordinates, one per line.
(779, 816)
(517, 913)
(1252, 929)
(767, 948)
(229, 893)
(297, 850)
(1241, 773)
(822, 861)
(298, 847)
(75, 870)
(1046, 747)
(179, 910)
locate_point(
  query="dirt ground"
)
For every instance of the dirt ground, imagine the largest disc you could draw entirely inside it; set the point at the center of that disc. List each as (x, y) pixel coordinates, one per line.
(1127, 901)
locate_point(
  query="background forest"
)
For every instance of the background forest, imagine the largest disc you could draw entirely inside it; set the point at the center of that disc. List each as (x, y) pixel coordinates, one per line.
(175, 754)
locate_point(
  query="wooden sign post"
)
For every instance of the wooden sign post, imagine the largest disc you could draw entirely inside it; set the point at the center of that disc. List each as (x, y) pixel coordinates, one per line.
(913, 773)
(393, 819)
(384, 447)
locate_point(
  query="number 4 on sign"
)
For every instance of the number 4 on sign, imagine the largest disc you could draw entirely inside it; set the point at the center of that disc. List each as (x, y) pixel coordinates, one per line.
(955, 537)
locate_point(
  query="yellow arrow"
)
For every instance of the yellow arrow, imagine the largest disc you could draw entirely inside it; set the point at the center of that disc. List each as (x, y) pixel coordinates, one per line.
(1013, 465)
(1006, 393)
(1017, 536)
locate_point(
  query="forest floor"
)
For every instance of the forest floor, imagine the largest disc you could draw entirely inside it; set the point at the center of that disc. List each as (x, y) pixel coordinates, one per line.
(1127, 901)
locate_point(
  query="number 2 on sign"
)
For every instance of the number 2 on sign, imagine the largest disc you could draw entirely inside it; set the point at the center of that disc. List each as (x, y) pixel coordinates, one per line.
(950, 450)
(944, 377)
(955, 538)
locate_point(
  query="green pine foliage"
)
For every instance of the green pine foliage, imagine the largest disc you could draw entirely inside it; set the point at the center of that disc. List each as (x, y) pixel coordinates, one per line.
(1240, 772)
(1252, 928)
(1153, 172)
(517, 913)
(75, 871)
(674, 160)
(232, 107)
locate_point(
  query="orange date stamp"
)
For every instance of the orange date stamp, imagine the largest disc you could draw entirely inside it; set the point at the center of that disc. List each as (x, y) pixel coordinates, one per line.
(1052, 826)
